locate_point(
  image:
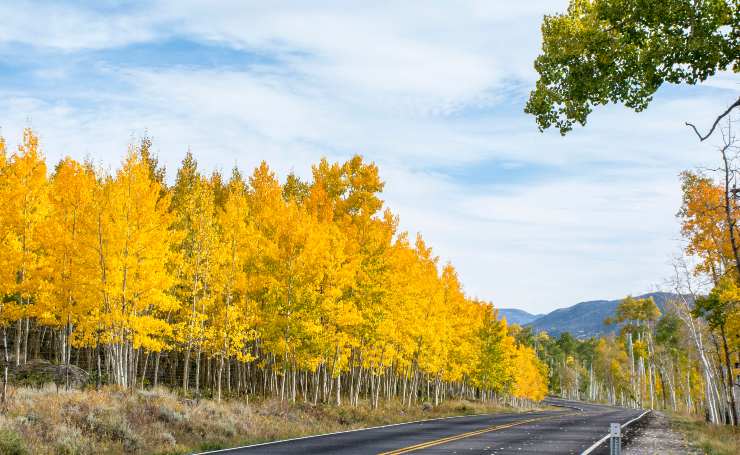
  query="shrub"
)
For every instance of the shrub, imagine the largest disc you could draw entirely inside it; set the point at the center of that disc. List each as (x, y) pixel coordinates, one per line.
(167, 438)
(70, 441)
(11, 443)
(132, 443)
(168, 415)
(116, 427)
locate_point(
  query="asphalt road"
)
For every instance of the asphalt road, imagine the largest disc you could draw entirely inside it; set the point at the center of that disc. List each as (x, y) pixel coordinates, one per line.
(565, 431)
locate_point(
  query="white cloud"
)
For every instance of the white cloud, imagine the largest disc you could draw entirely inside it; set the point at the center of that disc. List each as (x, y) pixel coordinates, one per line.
(435, 55)
(548, 242)
(69, 28)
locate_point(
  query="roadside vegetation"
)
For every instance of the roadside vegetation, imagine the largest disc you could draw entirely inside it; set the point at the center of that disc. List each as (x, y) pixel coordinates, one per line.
(710, 439)
(114, 421)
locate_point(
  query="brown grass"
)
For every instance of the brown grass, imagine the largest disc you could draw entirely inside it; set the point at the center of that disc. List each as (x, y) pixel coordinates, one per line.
(710, 439)
(160, 422)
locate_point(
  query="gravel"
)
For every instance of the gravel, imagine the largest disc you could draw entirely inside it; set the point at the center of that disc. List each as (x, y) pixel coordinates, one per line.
(653, 435)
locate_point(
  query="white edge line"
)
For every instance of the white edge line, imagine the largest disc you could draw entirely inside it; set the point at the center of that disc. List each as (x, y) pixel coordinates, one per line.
(341, 432)
(601, 441)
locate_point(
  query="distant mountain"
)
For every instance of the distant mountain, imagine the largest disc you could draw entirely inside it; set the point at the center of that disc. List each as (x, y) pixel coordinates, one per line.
(586, 319)
(514, 316)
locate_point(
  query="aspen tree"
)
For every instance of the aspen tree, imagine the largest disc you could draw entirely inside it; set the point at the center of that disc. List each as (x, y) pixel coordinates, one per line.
(529, 375)
(193, 205)
(719, 308)
(703, 224)
(134, 248)
(26, 206)
(7, 277)
(233, 319)
(65, 234)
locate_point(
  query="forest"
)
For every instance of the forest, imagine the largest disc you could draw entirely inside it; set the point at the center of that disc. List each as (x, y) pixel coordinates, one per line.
(236, 286)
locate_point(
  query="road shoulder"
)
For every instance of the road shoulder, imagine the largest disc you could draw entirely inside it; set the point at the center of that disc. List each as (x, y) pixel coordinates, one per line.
(655, 435)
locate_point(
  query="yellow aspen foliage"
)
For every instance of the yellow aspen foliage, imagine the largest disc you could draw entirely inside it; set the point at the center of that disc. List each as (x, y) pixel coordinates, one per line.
(232, 322)
(133, 249)
(288, 253)
(530, 374)
(233, 318)
(7, 275)
(495, 369)
(462, 323)
(428, 313)
(300, 289)
(194, 216)
(703, 224)
(67, 239)
(8, 252)
(610, 362)
(25, 206)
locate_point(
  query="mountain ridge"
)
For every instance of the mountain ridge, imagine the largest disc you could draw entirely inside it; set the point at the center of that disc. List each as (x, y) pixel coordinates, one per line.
(582, 320)
(517, 316)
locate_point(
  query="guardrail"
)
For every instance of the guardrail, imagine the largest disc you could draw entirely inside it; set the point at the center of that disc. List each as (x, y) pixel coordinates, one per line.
(615, 437)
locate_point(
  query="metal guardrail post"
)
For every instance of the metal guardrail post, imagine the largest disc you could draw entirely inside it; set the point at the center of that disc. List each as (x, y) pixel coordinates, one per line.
(615, 441)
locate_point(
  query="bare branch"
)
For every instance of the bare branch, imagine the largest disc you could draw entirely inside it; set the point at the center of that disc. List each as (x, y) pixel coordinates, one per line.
(716, 121)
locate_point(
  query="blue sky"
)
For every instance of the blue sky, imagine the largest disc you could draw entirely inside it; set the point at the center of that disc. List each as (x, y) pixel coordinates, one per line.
(432, 93)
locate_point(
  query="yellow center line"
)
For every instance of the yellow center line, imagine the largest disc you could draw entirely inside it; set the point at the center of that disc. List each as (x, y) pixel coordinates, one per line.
(457, 437)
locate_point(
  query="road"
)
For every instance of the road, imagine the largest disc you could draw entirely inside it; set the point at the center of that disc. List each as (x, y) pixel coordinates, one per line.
(565, 431)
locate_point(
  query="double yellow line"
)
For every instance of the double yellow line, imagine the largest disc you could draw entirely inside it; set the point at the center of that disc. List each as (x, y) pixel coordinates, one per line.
(457, 437)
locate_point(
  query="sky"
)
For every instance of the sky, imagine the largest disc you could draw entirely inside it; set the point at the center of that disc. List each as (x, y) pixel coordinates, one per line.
(432, 92)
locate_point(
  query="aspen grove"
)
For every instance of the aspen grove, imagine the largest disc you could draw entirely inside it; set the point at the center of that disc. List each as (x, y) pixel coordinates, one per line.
(304, 290)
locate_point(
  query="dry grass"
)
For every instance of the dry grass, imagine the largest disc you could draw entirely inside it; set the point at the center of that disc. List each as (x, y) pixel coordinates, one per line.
(160, 422)
(711, 439)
